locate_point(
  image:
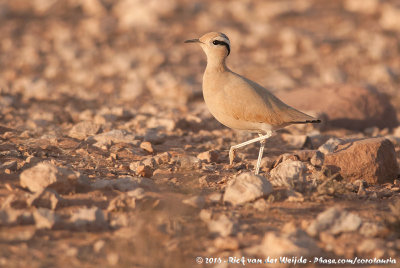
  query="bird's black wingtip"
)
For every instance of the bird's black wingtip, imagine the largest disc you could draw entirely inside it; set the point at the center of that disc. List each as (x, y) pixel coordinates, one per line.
(314, 121)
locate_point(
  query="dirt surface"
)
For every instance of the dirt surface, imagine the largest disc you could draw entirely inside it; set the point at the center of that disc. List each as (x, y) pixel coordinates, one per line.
(108, 96)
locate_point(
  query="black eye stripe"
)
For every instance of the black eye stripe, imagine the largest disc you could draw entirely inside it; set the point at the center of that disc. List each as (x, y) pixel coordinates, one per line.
(222, 43)
(217, 42)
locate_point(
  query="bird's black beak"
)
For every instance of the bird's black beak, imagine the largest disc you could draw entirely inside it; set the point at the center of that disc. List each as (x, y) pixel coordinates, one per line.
(193, 41)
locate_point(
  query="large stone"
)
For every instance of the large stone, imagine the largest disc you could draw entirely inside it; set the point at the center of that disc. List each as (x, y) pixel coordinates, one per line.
(113, 136)
(372, 160)
(334, 221)
(88, 218)
(296, 243)
(346, 106)
(245, 188)
(46, 174)
(189, 162)
(330, 145)
(209, 156)
(82, 130)
(223, 226)
(288, 173)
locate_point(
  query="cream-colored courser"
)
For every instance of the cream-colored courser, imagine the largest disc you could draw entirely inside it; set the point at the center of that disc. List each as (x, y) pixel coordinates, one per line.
(240, 103)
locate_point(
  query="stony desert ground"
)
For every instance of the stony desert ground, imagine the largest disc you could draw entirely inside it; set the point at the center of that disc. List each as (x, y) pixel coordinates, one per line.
(110, 158)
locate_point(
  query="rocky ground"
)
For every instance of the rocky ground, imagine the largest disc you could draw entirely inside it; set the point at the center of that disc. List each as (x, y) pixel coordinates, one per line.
(109, 157)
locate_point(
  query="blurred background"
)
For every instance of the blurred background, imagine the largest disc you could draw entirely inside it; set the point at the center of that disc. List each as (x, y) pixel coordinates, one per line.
(132, 51)
(118, 72)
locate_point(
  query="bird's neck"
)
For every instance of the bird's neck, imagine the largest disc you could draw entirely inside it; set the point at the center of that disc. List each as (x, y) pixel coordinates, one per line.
(216, 65)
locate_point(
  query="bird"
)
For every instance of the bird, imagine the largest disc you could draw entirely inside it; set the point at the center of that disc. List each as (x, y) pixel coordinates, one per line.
(240, 103)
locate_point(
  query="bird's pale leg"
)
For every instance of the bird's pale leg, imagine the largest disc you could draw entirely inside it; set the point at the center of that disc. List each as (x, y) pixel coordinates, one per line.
(260, 154)
(234, 147)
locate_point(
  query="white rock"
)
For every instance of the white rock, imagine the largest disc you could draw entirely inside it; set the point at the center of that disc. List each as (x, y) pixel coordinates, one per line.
(261, 205)
(282, 244)
(162, 158)
(215, 197)
(371, 229)
(82, 130)
(113, 136)
(98, 245)
(45, 218)
(330, 146)
(369, 245)
(288, 173)
(160, 122)
(334, 221)
(46, 174)
(189, 162)
(206, 215)
(223, 226)
(88, 217)
(245, 188)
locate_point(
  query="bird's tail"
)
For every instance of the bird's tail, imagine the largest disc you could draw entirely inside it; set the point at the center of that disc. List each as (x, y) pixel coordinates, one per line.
(297, 117)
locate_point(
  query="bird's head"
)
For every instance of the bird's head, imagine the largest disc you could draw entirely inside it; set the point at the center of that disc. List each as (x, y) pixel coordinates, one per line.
(216, 45)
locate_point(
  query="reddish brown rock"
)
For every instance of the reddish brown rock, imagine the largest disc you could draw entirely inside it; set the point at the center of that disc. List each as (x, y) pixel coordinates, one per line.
(147, 146)
(350, 107)
(209, 156)
(372, 160)
(144, 171)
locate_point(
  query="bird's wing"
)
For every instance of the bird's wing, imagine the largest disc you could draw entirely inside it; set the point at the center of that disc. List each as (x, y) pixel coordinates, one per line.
(248, 101)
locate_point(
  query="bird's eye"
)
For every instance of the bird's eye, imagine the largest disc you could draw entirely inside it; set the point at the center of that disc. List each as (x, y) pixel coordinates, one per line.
(215, 42)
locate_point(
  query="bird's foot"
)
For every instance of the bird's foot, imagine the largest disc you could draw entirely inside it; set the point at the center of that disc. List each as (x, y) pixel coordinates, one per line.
(232, 154)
